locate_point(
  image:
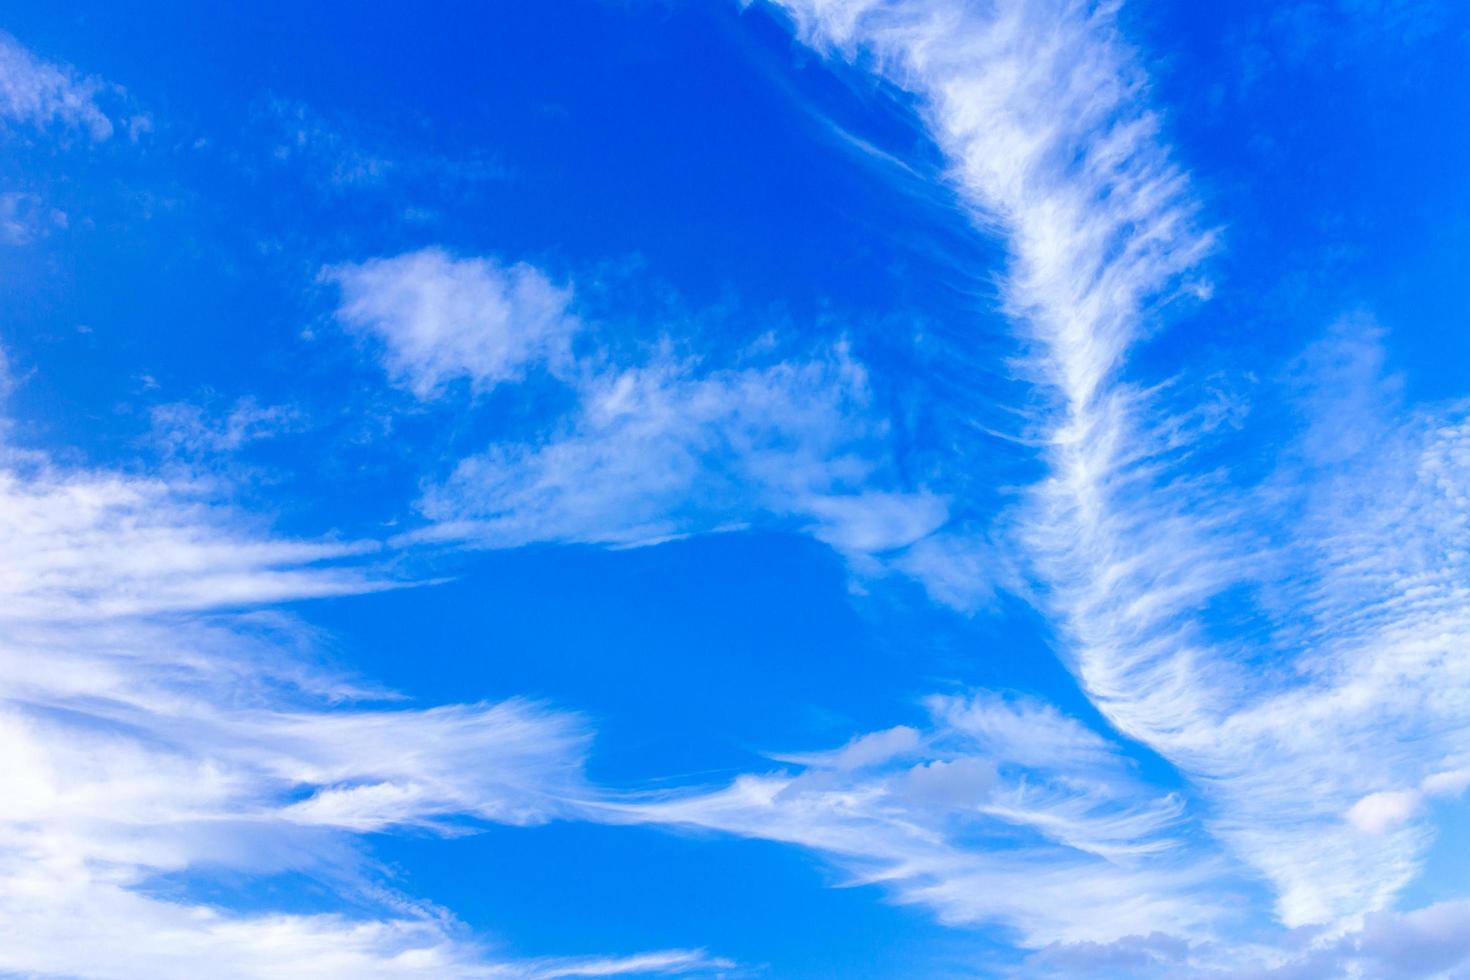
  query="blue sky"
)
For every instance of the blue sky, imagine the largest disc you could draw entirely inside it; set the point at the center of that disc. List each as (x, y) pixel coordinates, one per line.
(818, 488)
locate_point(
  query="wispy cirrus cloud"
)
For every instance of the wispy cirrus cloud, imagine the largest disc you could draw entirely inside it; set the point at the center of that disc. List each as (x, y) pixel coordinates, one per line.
(115, 933)
(161, 722)
(87, 545)
(1040, 107)
(1000, 812)
(666, 450)
(1042, 110)
(658, 449)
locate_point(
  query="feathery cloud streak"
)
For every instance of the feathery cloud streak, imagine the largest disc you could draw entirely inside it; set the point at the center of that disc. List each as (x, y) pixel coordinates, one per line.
(1000, 812)
(1040, 107)
(159, 723)
(650, 451)
(664, 451)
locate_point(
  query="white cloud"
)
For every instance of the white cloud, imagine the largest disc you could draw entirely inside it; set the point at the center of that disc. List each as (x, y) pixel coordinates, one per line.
(967, 818)
(1379, 812)
(37, 93)
(86, 545)
(1029, 732)
(1451, 783)
(873, 749)
(440, 319)
(1424, 943)
(1040, 108)
(152, 734)
(99, 930)
(957, 569)
(665, 451)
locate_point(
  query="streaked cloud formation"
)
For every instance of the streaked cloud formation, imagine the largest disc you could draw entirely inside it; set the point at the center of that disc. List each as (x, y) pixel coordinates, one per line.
(1002, 811)
(1039, 107)
(665, 450)
(1207, 712)
(160, 722)
(652, 451)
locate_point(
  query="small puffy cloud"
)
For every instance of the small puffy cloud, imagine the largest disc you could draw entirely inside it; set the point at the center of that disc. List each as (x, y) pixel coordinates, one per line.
(37, 93)
(1450, 783)
(440, 319)
(1378, 813)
